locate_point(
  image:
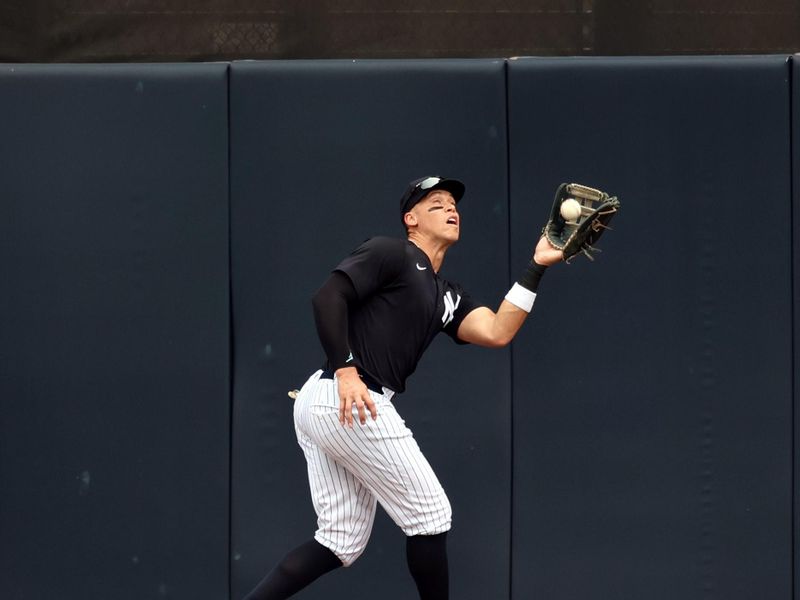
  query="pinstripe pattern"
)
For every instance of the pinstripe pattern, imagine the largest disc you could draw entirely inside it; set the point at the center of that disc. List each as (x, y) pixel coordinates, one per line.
(350, 469)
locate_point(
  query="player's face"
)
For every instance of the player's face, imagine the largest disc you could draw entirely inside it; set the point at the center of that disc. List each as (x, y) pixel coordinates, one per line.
(437, 215)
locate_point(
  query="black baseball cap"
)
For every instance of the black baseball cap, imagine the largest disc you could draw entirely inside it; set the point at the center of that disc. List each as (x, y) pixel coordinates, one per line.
(418, 188)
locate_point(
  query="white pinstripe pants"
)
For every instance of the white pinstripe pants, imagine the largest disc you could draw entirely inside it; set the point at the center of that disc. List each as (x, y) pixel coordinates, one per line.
(350, 469)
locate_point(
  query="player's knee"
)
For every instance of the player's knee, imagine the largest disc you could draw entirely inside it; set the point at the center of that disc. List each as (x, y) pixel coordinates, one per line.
(347, 551)
(350, 556)
(436, 519)
(446, 518)
(287, 571)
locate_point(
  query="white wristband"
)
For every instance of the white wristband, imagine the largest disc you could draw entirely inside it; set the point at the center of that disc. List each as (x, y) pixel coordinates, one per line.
(521, 297)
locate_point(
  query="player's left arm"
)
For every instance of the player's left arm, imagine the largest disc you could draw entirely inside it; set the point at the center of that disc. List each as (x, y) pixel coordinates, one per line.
(485, 327)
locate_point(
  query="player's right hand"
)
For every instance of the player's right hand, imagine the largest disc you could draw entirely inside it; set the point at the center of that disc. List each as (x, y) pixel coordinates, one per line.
(353, 391)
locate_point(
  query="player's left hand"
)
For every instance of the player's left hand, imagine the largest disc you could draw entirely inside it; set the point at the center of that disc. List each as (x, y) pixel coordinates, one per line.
(546, 254)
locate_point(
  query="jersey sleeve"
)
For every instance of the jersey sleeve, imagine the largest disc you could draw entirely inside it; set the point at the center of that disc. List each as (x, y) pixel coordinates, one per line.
(374, 264)
(465, 306)
(331, 303)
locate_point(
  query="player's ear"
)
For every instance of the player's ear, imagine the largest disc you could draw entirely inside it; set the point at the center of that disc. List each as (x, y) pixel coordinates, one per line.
(410, 219)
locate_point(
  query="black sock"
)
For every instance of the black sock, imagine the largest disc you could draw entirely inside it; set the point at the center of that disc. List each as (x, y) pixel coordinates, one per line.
(299, 568)
(427, 561)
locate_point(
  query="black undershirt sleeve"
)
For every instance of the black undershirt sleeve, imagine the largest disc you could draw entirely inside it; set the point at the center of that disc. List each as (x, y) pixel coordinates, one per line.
(331, 303)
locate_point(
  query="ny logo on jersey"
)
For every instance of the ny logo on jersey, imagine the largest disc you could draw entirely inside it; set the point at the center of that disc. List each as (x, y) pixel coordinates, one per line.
(449, 308)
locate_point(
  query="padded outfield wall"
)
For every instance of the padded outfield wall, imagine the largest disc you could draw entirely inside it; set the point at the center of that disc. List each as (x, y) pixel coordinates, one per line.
(164, 226)
(114, 332)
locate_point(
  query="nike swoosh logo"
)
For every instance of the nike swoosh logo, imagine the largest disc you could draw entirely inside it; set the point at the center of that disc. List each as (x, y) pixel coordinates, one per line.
(422, 268)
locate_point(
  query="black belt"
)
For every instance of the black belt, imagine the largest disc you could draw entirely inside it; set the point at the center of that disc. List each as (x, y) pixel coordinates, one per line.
(368, 381)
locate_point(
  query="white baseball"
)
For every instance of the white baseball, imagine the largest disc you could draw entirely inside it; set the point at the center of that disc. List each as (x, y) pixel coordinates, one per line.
(570, 209)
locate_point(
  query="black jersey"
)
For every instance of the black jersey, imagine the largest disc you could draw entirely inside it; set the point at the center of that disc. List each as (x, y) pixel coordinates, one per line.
(402, 305)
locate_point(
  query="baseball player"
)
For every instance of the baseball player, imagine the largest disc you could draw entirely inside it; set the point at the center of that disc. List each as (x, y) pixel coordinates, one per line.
(375, 315)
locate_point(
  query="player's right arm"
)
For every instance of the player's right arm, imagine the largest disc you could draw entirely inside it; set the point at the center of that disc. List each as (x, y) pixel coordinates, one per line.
(485, 327)
(331, 304)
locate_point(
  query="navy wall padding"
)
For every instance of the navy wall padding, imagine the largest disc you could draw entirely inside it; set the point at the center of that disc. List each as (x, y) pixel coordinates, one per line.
(320, 154)
(114, 352)
(795, 108)
(653, 394)
(163, 227)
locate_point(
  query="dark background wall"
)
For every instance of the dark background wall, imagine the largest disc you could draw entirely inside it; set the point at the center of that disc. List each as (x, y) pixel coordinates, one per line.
(795, 79)
(655, 457)
(114, 332)
(163, 227)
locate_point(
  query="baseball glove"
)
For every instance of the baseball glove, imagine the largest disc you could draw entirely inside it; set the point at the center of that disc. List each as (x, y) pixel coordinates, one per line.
(580, 233)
